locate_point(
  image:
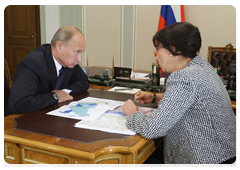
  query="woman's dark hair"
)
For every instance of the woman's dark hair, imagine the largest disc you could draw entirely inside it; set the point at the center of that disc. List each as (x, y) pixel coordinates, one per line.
(183, 36)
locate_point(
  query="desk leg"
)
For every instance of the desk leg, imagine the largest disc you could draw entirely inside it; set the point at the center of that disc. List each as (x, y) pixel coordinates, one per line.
(235, 112)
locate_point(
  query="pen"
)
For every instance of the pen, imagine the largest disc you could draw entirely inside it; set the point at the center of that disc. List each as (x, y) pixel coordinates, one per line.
(135, 100)
(123, 89)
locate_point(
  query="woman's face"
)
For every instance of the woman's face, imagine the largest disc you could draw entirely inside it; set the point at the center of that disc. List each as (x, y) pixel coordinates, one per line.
(169, 62)
(164, 60)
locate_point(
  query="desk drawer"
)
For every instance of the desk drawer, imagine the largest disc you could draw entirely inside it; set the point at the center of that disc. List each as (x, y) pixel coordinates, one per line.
(110, 159)
(38, 156)
(11, 153)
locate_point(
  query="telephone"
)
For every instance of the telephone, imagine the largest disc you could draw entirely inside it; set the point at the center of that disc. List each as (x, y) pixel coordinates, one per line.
(97, 79)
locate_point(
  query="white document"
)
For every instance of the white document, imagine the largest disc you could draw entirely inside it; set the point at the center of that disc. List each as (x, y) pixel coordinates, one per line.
(86, 109)
(107, 123)
(113, 121)
(139, 75)
(124, 90)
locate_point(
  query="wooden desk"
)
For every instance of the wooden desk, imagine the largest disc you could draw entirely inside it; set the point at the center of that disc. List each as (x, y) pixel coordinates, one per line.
(48, 145)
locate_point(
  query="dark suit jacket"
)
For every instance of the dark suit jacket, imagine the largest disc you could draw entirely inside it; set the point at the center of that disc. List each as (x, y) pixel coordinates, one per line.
(36, 77)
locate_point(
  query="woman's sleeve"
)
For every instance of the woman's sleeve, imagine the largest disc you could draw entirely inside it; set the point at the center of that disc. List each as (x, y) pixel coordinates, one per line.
(178, 98)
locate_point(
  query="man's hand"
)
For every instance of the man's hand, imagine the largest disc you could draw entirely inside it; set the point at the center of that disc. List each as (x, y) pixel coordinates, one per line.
(63, 96)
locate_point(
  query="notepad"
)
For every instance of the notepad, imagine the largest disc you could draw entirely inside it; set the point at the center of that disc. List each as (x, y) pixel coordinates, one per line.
(124, 89)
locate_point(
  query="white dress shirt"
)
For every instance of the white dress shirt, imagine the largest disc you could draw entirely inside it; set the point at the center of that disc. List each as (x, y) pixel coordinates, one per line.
(58, 67)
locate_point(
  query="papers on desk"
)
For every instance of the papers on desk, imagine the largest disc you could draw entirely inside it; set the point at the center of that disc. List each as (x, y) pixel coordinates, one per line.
(124, 89)
(107, 123)
(98, 114)
(112, 121)
(89, 108)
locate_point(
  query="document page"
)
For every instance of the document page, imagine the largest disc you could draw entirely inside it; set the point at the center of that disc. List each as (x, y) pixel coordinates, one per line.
(89, 108)
(112, 121)
(98, 114)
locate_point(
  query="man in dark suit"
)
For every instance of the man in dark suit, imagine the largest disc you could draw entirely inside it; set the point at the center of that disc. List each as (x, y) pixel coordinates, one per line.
(37, 75)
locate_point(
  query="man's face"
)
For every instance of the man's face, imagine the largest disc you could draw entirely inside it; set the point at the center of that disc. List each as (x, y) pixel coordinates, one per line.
(71, 54)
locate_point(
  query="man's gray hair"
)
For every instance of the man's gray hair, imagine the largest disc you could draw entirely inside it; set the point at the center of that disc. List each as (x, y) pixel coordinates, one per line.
(64, 34)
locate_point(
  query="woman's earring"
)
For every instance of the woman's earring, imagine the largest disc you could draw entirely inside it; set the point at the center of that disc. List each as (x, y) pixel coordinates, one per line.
(171, 55)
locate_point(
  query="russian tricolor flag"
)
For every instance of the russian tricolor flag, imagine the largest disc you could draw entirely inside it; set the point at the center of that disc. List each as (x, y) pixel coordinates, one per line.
(170, 14)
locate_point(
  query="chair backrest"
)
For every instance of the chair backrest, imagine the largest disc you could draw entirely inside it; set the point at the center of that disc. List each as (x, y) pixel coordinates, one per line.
(222, 57)
(7, 81)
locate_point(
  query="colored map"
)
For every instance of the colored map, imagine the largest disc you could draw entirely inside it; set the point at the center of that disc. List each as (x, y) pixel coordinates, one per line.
(98, 114)
(80, 109)
(108, 123)
(86, 109)
(113, 121)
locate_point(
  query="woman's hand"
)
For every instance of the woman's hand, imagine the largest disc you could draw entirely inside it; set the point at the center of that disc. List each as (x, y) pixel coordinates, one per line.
(129, 107)
(147, 97)
(144, 97)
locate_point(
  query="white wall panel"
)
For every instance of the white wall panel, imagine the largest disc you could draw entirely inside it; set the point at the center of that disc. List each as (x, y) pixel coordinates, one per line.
(102, 30)
(147, 17)
(51, 20)
(216, 23)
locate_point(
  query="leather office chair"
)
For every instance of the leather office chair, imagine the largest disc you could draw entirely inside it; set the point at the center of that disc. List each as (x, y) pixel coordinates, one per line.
(222, 56)
(7, 82)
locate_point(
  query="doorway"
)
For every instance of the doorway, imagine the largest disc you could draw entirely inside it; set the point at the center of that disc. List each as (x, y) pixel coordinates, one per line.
(21, 33)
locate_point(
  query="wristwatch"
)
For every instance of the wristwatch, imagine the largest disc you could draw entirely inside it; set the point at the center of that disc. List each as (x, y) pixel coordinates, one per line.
(154, 97)
(56, 97)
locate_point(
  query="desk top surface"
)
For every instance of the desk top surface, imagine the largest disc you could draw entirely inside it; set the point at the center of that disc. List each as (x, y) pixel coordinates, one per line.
(59, 131)
(40, 127)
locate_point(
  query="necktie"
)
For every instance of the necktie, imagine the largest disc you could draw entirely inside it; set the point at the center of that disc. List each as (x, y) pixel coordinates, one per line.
(59, 79)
